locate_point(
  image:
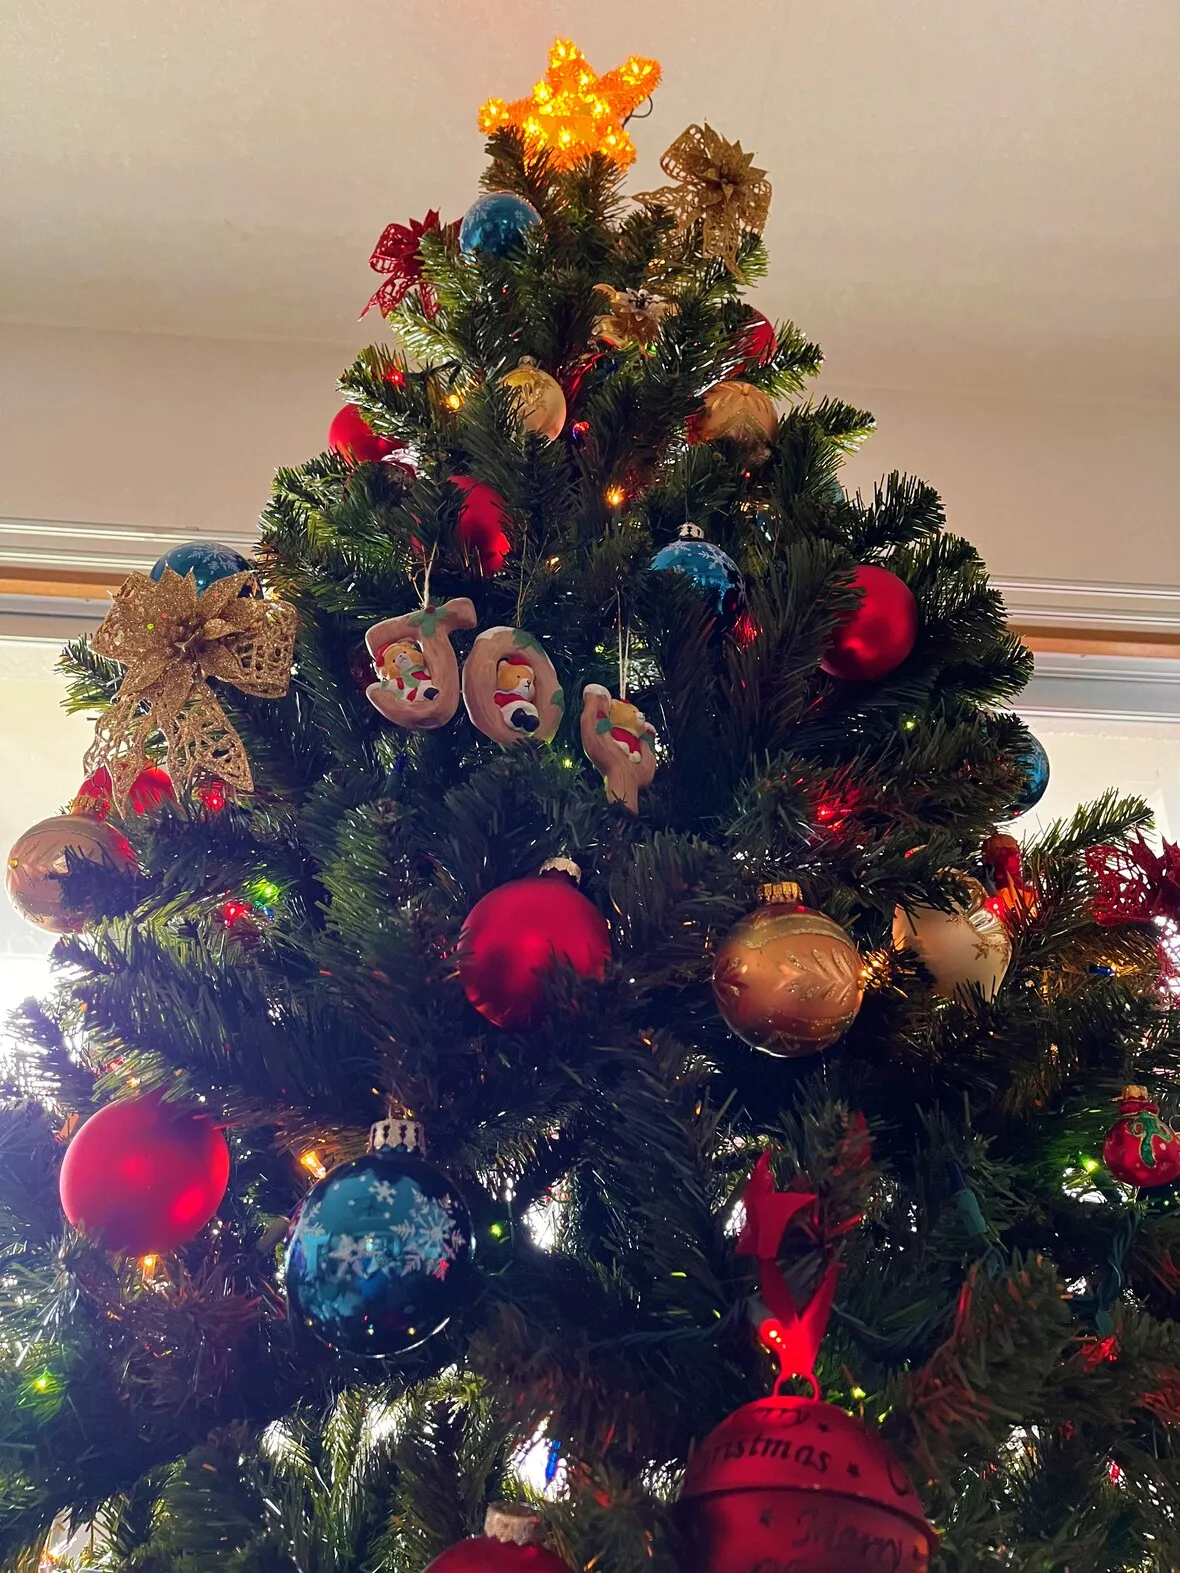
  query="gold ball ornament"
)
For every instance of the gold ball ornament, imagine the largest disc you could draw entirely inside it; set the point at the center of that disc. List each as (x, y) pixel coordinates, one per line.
(41, 857)
(962, 950)
(539, 401)
(787, 980)
(738, 411)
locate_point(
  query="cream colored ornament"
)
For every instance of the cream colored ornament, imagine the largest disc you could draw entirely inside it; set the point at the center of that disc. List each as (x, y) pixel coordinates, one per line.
(621, 741)
(539, 402)
(963, 950)
(414, 662)
(510, 688)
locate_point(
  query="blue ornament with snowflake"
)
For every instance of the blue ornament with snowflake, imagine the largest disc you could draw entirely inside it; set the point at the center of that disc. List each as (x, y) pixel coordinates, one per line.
(207, 561)
(379, 1255)
(712, 571)
(1035, 763)
(496, 222)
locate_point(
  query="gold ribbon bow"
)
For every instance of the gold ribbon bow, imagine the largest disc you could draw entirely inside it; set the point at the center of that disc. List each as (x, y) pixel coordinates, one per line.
(718, 185)
(172, 640)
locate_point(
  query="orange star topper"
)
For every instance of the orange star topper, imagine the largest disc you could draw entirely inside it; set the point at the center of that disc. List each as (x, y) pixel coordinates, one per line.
(573, 112)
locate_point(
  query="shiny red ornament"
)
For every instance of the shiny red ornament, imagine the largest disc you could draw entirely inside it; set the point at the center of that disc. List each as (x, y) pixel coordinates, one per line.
(1013, 902)
(150, 788)
(1140, 1149)
(795, 1483)
(876, 635)
(756, 342)
(145, 1175)
(351, 436)
(482, 526)
(508, 1545)
(518, 933)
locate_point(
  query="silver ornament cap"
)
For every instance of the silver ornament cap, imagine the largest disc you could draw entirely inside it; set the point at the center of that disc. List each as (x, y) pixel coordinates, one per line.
(512, 1524)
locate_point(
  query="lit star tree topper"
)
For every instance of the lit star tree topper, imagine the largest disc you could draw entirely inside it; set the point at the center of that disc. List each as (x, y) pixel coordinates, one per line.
(572, 112)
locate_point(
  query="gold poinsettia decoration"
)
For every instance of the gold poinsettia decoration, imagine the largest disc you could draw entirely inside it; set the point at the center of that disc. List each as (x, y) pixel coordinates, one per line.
(719, 185)
(172, 639)
(634, 317)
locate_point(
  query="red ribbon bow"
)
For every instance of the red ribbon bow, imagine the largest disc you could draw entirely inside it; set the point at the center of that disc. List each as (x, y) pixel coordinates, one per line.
(792, 1334)
(1135, 884)
(398, 253)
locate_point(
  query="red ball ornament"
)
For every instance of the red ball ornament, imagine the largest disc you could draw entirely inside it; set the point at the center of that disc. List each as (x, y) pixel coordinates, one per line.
(507, 1545)
(351, 436)
(516, 934)
(756, 341)
(879, 633)
(795, 1483)
(483, 525)
(1139, 1148)
(150, 788)
(145, 1175)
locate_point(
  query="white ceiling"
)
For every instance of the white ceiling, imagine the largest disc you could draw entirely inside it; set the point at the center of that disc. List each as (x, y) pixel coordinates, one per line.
(966, 191)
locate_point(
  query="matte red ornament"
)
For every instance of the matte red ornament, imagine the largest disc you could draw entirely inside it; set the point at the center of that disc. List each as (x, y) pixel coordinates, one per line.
(508, 1545)
(351, 436)
(516, 934)
(879, 633)
(1140, 1149)
(145, 1175)
(795, 1483)
(482, 530)
(150, 788)
(756, 341)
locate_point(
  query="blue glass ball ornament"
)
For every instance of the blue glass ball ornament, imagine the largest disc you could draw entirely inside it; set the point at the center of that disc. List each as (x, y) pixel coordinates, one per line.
(379, 1255)
(714, 572)
(1036, 767)
(207, 561)
(496, 222)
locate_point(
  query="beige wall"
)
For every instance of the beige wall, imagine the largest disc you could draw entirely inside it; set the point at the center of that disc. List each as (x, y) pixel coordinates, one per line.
(183, 434)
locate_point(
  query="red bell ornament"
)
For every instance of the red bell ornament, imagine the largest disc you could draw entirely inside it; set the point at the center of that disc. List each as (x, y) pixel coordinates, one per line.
(1140, 1149)
(482, 528)
(510, 1543)
(517, 934)
(351, 436)
(145, 1175)
(878, 633)
(795, 1483)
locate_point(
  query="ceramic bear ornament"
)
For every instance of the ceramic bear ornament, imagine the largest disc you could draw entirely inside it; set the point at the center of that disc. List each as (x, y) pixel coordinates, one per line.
(510, 688)
(620, 741)
(417, 674)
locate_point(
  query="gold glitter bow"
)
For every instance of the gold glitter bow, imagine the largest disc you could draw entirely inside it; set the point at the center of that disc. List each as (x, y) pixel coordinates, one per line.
(719, 186)
(172, 640)
(634, 317)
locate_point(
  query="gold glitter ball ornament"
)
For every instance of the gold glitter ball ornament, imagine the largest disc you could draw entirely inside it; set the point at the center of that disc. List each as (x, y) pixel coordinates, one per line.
(963, 950)
(41, 858)
(787, 980)
(738, 411)
(539, 401)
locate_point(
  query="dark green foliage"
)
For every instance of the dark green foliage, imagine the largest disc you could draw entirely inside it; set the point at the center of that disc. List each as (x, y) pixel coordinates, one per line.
(186, 1417)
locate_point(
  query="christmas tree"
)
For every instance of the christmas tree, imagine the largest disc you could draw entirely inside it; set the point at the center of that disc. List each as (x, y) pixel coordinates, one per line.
(582, 782)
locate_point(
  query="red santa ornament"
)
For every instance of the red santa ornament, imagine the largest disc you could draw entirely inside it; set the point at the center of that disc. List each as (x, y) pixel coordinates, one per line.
(788, 1482)
(1140, 1149)
(510, 1543)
